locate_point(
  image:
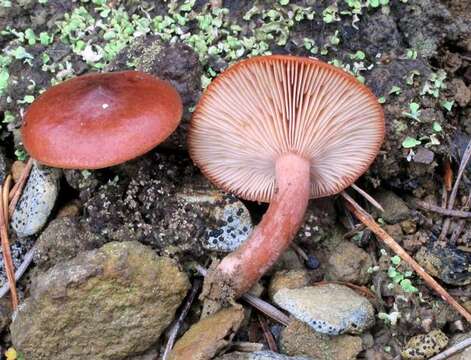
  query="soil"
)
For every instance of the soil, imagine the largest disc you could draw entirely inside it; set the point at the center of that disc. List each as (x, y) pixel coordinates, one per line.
(411, 52)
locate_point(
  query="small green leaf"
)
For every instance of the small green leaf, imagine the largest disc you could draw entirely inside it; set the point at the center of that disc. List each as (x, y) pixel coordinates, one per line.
(407, 286)
(359, 55)
(284, 2)
(44, 38)
(414, 107)
(396, 260)
(447, 105)
(437, 127)
(4, 76)
(410, 143)
(30, 36)
(396, 90)
(21, 154)
(27, 99)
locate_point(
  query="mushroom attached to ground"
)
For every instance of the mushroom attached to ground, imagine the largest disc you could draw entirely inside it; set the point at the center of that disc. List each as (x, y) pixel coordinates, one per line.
(280, 129)
(99, 120)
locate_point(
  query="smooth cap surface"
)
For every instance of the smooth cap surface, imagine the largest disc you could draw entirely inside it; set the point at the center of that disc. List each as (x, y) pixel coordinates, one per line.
(267, 106)
(99, 120)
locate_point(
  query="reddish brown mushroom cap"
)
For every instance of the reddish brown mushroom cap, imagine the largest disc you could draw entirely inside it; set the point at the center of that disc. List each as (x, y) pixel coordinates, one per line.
(264, 107)
(99, 120)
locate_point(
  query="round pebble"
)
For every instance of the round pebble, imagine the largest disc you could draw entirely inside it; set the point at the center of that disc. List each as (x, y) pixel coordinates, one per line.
(329, 309)
(37, 201)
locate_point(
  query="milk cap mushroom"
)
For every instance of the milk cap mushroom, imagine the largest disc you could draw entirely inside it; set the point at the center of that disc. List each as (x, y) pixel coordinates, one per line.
(99, 120)
(280, 129)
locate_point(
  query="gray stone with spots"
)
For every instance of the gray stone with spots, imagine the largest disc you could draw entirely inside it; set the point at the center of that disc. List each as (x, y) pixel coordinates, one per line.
(37, 200)
(329, 309)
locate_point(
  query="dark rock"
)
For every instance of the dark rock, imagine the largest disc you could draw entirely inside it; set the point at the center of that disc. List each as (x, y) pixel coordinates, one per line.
(383, 77)
(160, 200)
(449, 264)
(5, 313)
(111, 303)
(62, 240)
(395, 209)
(426, 24)
(4, 165)
(423, 156)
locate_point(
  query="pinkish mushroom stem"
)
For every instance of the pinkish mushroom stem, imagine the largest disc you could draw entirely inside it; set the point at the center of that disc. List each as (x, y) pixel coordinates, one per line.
(241, 269)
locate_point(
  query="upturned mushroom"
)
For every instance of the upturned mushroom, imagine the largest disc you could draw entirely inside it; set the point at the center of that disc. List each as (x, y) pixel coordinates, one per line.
(280, 129)
(99, 120)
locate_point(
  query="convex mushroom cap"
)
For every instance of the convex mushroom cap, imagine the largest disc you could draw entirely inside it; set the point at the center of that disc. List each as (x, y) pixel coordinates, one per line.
(268, 106)
(99, 120)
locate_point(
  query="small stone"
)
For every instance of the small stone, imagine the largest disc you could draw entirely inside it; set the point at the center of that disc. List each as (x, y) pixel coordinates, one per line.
(63, 239)
(17, 169)
(409, 226)
(395, 230)
(349, 263)
(424, 346)
(449, 264)
(299, 339)
(289, 260)
(395, 209)
(3, 166)
(259, 355)
(107, 304)
(424, 156)
(37, 201)
(209, 336)
(231, 219)
(70, 209)
(329, 308)
(288, 279)
(5, 313)
(462, 93)
(466, 353)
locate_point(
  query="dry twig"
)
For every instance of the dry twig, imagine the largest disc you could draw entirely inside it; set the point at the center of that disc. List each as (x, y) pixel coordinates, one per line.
(447, 212)
(27, 260)
(367, 219)
(6, 188)
(454, 192)
(257, 303)
(267, 334)
(368, 197)
(447, 175)
(460, 226)
(453, 350)
(7, 260)
(15, 193)
(172, 334)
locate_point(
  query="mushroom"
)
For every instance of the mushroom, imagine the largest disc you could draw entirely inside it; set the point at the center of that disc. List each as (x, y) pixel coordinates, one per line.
(99, 120)
(280, 129)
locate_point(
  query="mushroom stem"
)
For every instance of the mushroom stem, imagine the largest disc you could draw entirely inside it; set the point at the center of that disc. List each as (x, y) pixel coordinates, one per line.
(240, 270)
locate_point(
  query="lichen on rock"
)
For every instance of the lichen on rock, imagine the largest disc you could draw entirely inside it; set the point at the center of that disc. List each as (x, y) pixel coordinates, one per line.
(105, 304)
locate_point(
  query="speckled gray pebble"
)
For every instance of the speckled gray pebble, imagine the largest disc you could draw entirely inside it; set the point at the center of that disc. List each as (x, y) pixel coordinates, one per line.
(260, 355)
(329, 309)
(4, 164)
(233, 220)
(37, 201)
